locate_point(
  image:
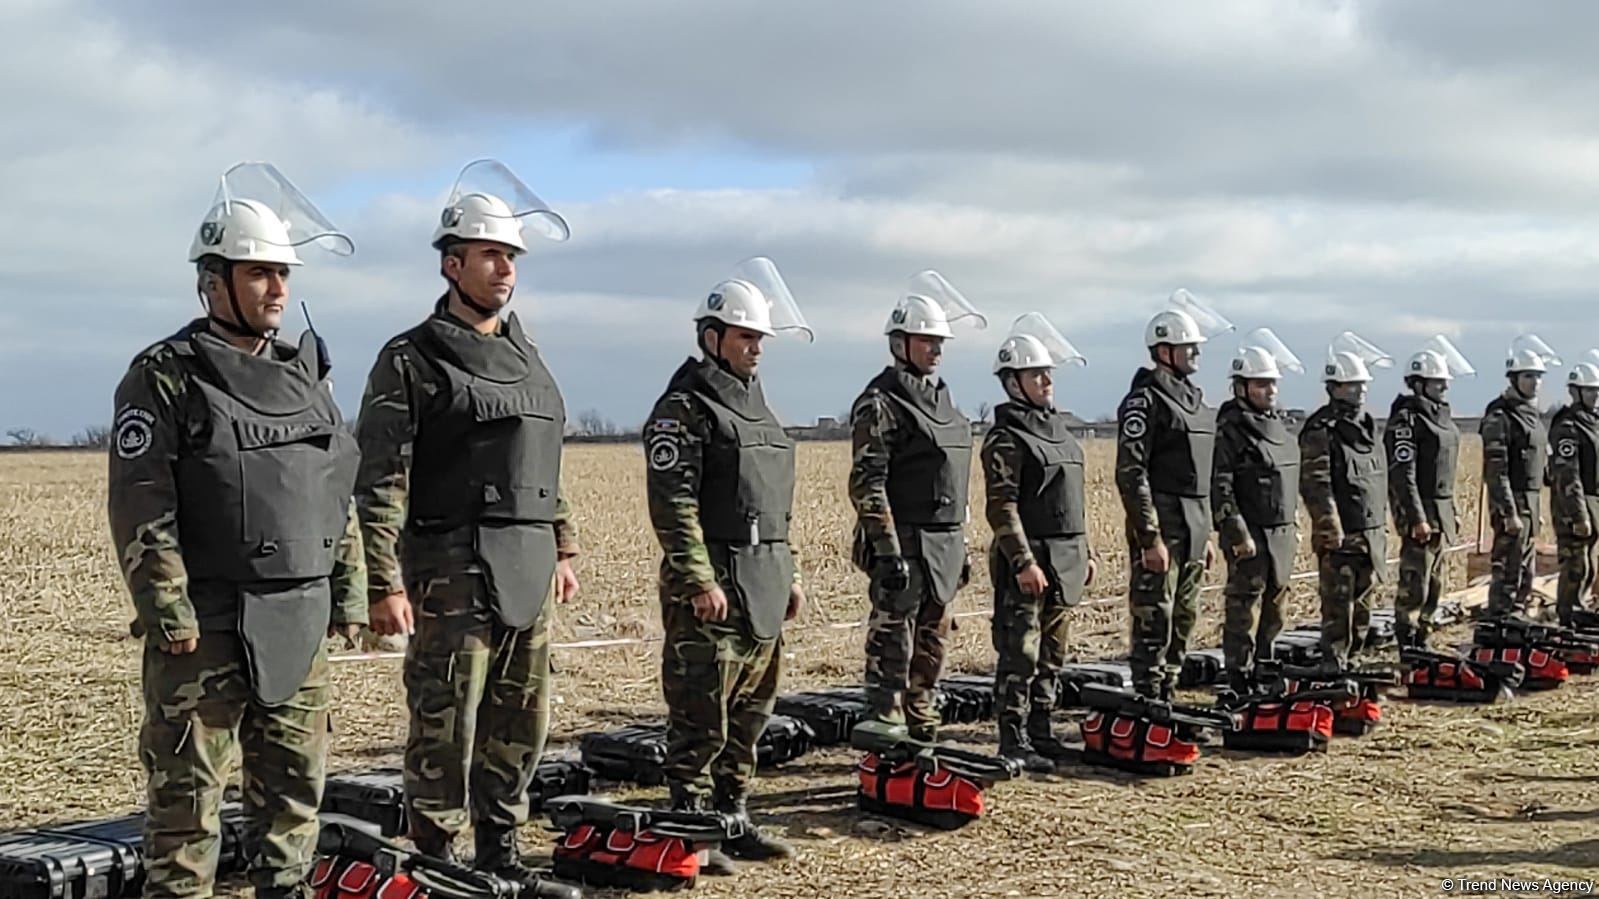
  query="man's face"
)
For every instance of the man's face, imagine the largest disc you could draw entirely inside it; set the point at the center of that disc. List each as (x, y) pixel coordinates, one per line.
(1434, 389)
(485, 270)
(1262, 393)
(739, 347)
(924, 352)
(1351, 392)
(1587, 397)
(262, 292)
(1182, 358)
(1038, 386)
(1527, 383)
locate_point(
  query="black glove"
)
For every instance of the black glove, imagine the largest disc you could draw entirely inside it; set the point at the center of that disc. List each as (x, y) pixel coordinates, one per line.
(891, 573)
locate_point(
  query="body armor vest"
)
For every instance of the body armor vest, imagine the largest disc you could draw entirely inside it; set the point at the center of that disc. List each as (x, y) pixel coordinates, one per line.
(1527, 444)
(1583, 426)
(746, 493)
(1180, 459)
(1359, 471)
(264, 503)
(1051, 502)
(487, 467)
(1436, 442)
(1266, 482)
(929, 477)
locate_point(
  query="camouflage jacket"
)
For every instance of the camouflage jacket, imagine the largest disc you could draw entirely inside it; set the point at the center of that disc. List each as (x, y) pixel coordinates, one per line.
(159, 419)
(1572, 439)
(1319, 473)
(675, 437)
(1003, 459)
(402, 391)
(1145, 428)
(1505, 444)
(875, 438)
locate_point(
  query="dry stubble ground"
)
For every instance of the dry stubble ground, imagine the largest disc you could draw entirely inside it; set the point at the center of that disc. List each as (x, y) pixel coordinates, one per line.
(1437, 792)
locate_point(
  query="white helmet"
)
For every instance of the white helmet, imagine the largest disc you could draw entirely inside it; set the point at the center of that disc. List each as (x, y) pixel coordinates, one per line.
(1344, 367)
(1034, 342)
(1528, 353)
(1172, 326)
(1430, 365)
(1020, 352)
(1583, 374)
(1256, 364)
(1262, 355)
(243, 231)
(754, 296)
(928, 307)
(488, 202)
(258, 215)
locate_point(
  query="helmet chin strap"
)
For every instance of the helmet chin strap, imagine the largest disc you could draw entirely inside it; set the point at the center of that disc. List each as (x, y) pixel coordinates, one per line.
(720, 330)
(899, 344)
(473, 304)
(1012, 383)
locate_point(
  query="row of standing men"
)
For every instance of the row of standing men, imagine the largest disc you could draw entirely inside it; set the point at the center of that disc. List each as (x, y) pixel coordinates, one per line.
(251, 525)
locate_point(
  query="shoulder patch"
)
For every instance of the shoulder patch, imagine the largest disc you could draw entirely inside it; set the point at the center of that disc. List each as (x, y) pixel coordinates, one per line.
(1404, 453)
(666, 426)
(131, 432)
(1136, 401)
(1403, 433)
(1134, 425)
(1566, 448)
(664, 454)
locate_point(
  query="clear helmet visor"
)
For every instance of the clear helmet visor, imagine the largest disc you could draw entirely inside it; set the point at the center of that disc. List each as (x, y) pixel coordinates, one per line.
(491, 178)
(934, 288)
(262, 183)
(1267, 340)
(1455, 360)
(1211, 323)
(1038, 327)
(1532, 343)
(786, 317)
(1361, 348)
(1591, 357)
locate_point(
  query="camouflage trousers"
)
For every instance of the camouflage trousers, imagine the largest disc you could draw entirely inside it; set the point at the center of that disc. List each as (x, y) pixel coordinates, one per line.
(1420, 587)
(199, 716)
(479, 699)
(1576, 574)
(905, 637)
(1163, 607)
(720, 684)
(1510, 586)
(1254, 615)
(1346, 579)
(1030, 634)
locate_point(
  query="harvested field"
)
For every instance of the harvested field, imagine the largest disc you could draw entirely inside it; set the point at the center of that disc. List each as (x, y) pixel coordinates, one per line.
(1437, 792)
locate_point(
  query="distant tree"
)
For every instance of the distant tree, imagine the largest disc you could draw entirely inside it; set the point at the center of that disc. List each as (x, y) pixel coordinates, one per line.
(27, 437)
(93, 437)
(591, 423)
(984, 409)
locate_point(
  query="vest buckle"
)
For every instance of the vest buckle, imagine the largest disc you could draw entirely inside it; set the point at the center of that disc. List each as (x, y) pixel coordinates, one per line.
(268, 548)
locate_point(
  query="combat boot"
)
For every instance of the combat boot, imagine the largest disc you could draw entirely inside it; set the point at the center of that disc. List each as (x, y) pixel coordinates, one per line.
(716, 862)
(1029, 758)
(497, 854)
(754, 845)
(1041, 733)
(432, 842)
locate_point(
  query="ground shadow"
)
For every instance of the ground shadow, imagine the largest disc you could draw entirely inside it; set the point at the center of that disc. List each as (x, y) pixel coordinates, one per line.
(1507, 776)
(1583, 854)
(1536, 815)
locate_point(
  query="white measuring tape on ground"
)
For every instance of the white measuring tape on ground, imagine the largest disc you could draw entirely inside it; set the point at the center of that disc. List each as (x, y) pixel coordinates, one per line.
(613, 642)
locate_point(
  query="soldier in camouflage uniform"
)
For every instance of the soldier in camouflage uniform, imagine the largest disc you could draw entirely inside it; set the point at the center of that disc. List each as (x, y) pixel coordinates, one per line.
(467, 535)
(1040, 559)
(1513, 458)
(908, 483)
(1343, 483)
(1164, 442)
(720, 483)
(236, 582)
(1574, 487)
(1254, 493)
(1423, 447)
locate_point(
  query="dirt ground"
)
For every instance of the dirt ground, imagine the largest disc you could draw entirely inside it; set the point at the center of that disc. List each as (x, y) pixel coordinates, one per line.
(1437, 792)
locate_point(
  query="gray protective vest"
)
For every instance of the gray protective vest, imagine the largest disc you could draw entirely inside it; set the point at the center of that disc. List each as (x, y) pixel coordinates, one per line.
(746, 491)
(1181, 455)
(928, 479)
(1528, 444)
(1359, 471)
(1050, 503)
(1437, 441)
(1266, 482)
(487, 469)
(265, 501)
(929, 476)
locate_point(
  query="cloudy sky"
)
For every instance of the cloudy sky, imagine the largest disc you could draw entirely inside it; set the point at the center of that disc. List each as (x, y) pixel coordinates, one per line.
(1398, 168)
